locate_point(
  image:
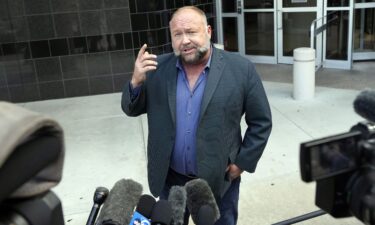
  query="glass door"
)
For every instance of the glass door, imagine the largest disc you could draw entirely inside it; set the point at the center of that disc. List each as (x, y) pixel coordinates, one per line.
(364, 30)
(267, 31)
(259, 30)
(338, 34)
(229, 28)
(294, 19)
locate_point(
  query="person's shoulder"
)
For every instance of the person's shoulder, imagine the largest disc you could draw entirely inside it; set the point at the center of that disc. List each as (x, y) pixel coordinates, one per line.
(234, 58)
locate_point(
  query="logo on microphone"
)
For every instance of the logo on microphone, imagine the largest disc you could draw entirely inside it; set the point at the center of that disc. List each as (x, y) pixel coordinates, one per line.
(139, 219)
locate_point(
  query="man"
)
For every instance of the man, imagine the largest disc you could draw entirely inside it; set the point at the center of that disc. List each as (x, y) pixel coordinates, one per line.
(194, 100)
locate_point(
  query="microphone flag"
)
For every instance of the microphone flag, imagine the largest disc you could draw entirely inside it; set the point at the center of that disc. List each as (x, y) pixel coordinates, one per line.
(139, 219)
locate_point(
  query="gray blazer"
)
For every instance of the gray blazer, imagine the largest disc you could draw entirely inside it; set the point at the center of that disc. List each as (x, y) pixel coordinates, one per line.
(233, 88)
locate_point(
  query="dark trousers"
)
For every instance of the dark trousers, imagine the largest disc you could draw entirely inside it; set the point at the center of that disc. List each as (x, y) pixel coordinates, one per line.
(228, 205)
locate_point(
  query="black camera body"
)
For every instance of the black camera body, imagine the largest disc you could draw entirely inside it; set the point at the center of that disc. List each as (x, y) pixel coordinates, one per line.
(343, 167)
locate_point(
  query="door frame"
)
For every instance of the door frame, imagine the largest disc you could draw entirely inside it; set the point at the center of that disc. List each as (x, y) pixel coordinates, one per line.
(278, 37)
(259, 58)
(339, 64)
(363, 55)
(318, 9)
(241, 32)
(220, 15)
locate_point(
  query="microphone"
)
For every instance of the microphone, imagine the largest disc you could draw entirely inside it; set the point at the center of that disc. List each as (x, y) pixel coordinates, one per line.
(120, 203)
(161, 213)
(199, 194)
(206, 215)
(100, 195)
(364, 104)
(177, 200)
(143, 211)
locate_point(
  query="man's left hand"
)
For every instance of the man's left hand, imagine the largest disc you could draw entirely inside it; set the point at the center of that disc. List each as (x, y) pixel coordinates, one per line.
(233, 171)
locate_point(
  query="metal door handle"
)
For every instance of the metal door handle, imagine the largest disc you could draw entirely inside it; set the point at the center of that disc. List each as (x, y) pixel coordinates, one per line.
(280, 19)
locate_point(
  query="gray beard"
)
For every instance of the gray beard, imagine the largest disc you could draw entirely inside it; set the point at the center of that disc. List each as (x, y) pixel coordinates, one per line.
(198, 56)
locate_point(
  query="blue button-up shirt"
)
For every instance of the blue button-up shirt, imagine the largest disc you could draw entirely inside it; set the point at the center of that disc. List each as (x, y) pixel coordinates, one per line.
(188, 105)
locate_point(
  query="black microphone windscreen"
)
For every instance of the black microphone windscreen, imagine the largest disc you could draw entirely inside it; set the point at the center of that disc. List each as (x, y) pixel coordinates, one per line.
(145, 205)
(206, 215)
(100, 195)
(364, 105)
(199, 193)
(177, 199)
(120, 203)
(162, 213)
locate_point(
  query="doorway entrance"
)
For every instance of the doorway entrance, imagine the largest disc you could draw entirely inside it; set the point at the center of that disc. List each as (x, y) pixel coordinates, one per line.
(267, 31)
(364, 31)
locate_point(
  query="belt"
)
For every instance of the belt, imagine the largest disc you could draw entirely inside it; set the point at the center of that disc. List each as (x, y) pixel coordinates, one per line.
(175, 178)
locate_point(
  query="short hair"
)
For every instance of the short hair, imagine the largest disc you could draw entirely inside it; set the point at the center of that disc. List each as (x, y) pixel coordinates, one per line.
(194, 8)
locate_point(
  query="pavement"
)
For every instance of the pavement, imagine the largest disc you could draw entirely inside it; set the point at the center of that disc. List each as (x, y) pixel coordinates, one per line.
(103, 145)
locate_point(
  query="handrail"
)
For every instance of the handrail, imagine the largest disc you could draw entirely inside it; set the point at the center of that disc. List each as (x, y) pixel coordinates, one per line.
(315, 31)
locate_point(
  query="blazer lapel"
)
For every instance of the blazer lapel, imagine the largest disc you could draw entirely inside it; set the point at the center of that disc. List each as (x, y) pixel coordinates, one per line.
(172, 87)
(214, 75)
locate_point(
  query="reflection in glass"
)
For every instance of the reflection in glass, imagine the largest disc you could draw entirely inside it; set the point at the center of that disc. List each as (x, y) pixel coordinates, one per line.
(296, 30)
(337, 35)
(259, 33)
(258, 4)
(228, 6)
(299, 3)
(230, 34)
(364, 34)
(335, 3)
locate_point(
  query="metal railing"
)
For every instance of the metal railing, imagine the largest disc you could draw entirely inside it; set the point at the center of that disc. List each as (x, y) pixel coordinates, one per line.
(316, 30)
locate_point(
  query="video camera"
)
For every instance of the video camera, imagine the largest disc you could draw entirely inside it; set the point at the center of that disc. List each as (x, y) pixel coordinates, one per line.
(343, 167)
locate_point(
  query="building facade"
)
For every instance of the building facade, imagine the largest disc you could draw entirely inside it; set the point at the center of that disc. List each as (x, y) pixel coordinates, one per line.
(267, 31)
(53, 49)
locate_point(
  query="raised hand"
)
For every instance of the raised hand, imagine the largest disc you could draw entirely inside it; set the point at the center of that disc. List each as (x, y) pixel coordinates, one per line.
(145, 62)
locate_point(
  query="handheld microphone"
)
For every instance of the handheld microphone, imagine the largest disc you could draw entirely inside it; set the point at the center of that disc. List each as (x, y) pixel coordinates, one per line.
(100, 195)
(198, 194)
(161, 213)
(206, 215)
(143, 211)
(177, 199)
(120, 203)
(364, 104)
